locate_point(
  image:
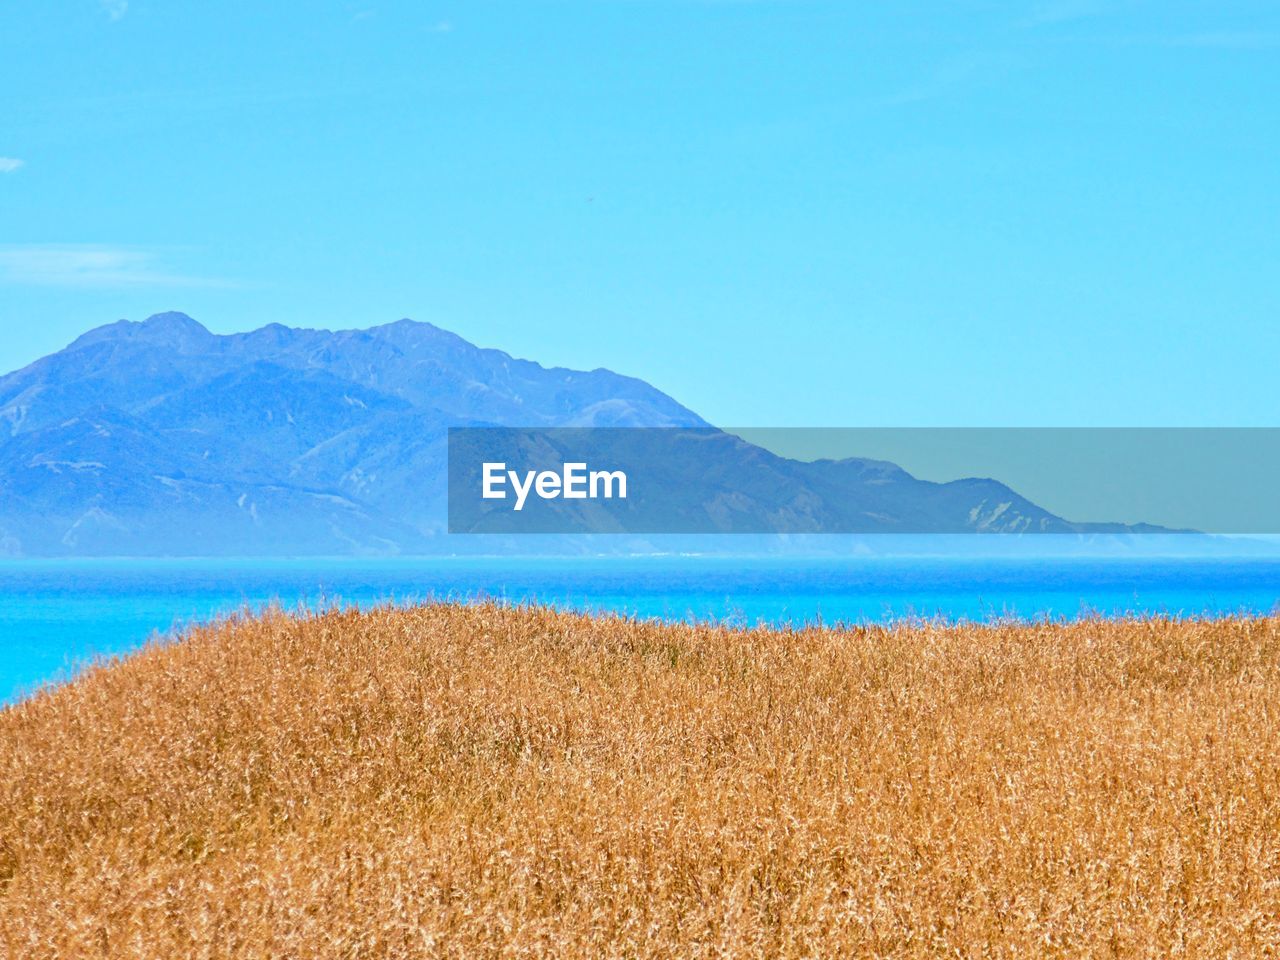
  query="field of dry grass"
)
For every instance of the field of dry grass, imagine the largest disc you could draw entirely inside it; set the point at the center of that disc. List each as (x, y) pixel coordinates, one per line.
(486, 782)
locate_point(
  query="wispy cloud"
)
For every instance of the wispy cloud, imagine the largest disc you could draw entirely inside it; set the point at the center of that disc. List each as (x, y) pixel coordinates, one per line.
(959, 73)
(115, 9)
(1225, 39)
(1064, 11)
(9, 164)
(442, 26)
(946, 77)
(1046, 13)
(86, 265)
(1241, 40)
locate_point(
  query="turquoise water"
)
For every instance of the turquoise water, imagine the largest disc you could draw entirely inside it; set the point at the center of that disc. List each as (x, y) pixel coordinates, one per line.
(55, 615)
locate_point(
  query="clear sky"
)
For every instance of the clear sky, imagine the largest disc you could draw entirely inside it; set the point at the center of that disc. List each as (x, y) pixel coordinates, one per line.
(782, 213)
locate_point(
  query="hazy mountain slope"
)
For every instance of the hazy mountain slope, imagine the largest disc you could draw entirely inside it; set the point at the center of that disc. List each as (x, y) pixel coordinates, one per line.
(161, 438)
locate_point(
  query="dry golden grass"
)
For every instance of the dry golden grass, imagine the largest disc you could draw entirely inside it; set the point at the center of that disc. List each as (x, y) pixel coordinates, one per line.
(476, 782)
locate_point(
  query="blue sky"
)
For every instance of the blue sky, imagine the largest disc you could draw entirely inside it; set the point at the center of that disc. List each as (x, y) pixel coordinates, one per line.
(782, 213)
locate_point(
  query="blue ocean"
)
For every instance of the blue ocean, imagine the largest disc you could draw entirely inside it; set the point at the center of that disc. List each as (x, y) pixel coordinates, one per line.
(57, 615)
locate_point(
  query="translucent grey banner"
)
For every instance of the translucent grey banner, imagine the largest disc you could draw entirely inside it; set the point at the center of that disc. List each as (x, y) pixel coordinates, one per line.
(704, 480)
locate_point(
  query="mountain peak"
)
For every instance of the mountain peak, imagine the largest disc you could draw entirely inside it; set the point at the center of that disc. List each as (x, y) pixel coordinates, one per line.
(174, 330)
(171, 328)
(408, 325)
(407, 333)
(173, 320)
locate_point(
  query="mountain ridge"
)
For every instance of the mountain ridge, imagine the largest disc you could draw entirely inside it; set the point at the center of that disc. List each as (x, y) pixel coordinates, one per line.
(160, 437)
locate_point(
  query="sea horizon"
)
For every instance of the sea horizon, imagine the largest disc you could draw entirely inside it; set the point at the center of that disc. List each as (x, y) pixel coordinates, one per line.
(58, 614)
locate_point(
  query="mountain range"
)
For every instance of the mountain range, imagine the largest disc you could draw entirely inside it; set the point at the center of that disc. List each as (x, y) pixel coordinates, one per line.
(160, 438)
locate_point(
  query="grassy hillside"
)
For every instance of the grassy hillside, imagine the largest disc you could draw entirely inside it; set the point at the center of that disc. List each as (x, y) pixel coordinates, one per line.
(474, 782)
